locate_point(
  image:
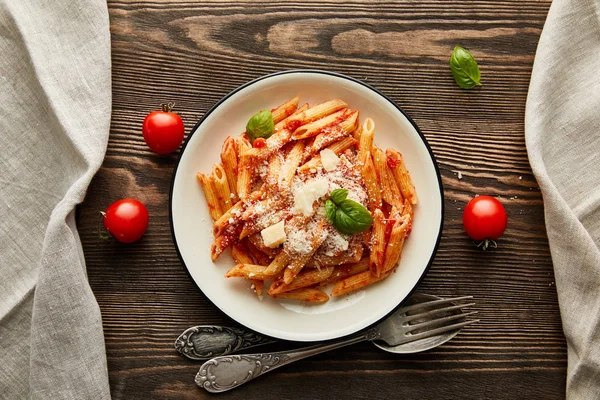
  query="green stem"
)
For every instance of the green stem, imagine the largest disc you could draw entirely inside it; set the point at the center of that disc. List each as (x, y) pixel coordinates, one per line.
(487, 243)
(103, 234)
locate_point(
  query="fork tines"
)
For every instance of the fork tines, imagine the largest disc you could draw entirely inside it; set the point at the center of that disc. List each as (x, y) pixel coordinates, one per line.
(434, 317)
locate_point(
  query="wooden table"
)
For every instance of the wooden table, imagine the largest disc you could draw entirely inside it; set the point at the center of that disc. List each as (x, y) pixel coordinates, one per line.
(194, 52)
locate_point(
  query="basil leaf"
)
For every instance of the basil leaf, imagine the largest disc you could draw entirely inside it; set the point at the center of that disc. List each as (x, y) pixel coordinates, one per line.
(338, 195)
(347, 216)
(260, 125)
(353, 216)
(330, 210)
(464, 68)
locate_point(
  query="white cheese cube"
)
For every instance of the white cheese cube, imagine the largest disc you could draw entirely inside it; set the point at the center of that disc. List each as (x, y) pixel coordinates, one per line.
(329, 160)
(274, 235)
(306, 195)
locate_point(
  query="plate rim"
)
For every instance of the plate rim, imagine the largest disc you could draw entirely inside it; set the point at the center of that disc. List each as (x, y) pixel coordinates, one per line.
(337, 75)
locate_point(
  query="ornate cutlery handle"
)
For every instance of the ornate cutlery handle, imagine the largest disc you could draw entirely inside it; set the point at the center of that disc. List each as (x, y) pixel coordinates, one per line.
(206, 341)
(223, 373)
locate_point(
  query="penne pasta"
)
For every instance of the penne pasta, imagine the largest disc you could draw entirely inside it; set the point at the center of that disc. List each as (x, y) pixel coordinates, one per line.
(261, 257)
(338, 148)
(395, 243)
(329, 136)
(371, 182)
(346, 270)
(210, 193)
(221, 187)
(229, 159)
(228, 218)
(244, 175)
(288, 170)
(292, 121)
(278, 264)
(366, 139)
(305, 294)
(390, 192)
(304, 279)
(285, 110)
(377, 243)
(280, 193)
(298, 262)
(356, 282)
(402, 176)
(249, 271)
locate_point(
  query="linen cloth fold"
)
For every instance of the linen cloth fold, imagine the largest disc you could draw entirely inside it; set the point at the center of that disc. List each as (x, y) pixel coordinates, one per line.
(562, 132)
(55, 93)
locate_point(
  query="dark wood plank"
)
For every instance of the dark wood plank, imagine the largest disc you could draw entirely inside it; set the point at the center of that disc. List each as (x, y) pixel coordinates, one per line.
(193, 53)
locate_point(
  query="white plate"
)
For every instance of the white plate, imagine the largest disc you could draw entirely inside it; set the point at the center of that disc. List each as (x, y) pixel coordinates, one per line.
(192, 226)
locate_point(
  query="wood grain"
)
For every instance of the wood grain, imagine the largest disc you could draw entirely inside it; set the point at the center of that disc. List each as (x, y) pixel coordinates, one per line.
(195, 52)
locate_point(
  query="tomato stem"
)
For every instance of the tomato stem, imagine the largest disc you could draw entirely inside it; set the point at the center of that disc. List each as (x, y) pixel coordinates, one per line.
(167, 107)
(487, 243)
(103, 233)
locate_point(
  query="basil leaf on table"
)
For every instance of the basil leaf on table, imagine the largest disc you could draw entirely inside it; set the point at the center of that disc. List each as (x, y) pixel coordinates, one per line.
(464, 68)
(261, 125)
(347, 216)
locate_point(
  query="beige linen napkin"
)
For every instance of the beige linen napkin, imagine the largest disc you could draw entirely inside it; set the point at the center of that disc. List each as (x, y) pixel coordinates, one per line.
(55, 98)
(562, 130)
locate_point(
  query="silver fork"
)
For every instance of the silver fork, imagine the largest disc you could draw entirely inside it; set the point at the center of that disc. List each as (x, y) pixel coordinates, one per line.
(407, 324)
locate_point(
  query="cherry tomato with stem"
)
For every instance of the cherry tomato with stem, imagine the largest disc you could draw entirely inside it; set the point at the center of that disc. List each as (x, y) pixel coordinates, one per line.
(126, 220)
(485, 220)
(163, 130)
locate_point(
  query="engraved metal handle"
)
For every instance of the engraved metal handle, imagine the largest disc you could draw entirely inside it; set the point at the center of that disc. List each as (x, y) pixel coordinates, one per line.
(227, 372)
(206, 341)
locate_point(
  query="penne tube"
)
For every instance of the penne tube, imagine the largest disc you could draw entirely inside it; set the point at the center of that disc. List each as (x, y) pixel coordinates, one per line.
(248, 271)
(356, 282)
(257, 241)
(221, 187)
(357, 132)
(321, 110)
(278, 264)
(274, 167)
(240, 253)
(319, 260)
(338, 148)
(331, 135)
(231, 216)
(288, 170)
(261, 257)
(395, 243)
(244, 173)
(219, 245)
(304, 279)
(344, 120)
(305, 294)
(408, 209)
(366, 139)
(214, 206)
(377, 243)
(292, 120)
(229, 159)
(298, 262)
(285, 110)
(390, 192)
(275, 142)
(371, 182)
(258, 286)
(346, 270)
(402, 176)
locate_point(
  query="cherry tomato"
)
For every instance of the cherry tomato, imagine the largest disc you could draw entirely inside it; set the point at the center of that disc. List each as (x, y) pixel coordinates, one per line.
(163, 130)
(126, 220)
(485, 220)
(259, 143)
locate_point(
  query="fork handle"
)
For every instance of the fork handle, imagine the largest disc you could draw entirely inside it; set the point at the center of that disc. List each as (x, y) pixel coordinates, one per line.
(227, 372)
